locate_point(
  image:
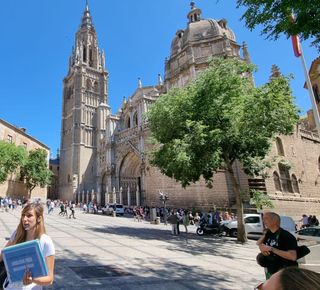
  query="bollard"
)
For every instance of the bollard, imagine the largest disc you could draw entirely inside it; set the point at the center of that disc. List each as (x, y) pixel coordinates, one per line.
(114, 214)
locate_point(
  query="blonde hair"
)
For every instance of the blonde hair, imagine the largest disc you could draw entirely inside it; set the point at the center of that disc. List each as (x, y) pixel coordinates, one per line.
(40, 229)
(294, 278)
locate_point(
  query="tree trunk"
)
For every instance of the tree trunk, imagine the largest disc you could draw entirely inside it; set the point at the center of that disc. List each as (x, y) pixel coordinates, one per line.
(242, 235)
(29, 196)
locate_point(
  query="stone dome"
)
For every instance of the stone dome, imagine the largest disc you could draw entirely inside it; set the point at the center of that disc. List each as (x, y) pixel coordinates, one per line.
(199, 30)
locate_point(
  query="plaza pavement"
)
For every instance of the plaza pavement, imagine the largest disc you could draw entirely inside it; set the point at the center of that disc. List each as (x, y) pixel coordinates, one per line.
(104, 252)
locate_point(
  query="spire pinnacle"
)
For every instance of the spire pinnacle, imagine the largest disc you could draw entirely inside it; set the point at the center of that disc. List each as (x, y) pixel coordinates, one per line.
(195, 14)
(246, 55)
(86, 21)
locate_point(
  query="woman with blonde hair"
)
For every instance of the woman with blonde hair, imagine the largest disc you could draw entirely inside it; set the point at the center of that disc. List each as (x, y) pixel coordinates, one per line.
(292, 278)
(31, 227)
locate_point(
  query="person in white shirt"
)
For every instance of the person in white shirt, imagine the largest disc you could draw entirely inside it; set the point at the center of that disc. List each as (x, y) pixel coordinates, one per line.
(305, 221)
(31, 227)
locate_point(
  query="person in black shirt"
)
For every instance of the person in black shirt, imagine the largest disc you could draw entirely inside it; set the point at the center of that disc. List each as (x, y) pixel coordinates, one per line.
(278, 247)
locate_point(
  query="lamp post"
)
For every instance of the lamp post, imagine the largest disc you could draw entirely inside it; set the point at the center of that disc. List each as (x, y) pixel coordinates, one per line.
(164, 197)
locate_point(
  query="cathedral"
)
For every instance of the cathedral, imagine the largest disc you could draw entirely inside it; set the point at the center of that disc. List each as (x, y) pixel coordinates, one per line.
(103, 155)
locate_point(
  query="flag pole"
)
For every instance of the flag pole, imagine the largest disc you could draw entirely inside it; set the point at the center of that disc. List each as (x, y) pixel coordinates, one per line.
(311, 94)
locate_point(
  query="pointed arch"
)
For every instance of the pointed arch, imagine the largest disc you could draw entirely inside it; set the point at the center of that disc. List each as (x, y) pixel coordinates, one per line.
(279, 145)
(128, 122)
(84, 56)
(276, 180)
(96, 87)
(104, 186)
(135, 119)
(316, 93)
(89, 85)
(130, 177)
(295, 184)
(285, 178)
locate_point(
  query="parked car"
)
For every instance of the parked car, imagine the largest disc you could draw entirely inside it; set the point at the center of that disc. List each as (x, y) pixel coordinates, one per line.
(109, 208)
(311, 233)
(254, 225)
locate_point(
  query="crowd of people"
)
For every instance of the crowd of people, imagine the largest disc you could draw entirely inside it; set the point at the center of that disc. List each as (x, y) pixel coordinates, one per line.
(9, 203)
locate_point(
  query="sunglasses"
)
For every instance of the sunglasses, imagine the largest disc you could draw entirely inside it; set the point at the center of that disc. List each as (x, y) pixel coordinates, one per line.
(259, 286)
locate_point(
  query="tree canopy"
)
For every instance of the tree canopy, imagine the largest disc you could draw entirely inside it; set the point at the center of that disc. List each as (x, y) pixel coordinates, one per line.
(36, 171)
(274, 16)
(11, 158)
(220, 117)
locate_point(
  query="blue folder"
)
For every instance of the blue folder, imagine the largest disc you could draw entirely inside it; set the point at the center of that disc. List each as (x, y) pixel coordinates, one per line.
(18, 258)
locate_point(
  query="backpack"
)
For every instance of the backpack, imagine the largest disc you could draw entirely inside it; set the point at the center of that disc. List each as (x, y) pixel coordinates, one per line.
(302, 251)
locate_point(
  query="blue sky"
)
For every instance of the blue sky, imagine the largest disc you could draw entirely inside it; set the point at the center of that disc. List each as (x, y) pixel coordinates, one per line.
(37, 37)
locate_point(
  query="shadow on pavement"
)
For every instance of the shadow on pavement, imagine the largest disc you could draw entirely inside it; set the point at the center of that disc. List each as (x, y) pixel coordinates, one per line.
(160, 274)
(185, 242)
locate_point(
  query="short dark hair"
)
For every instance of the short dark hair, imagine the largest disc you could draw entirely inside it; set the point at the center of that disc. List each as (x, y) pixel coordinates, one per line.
(294, 278)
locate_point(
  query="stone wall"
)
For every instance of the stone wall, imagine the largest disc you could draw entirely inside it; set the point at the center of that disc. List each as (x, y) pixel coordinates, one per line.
(296, 207)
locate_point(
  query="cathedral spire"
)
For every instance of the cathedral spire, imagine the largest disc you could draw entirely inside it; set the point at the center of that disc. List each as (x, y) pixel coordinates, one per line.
(86, 20)
(159, 80)
(275, 72)
(246, 54)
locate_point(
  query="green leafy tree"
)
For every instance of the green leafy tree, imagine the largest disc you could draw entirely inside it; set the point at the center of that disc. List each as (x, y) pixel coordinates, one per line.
(260, 200)
(274, 16)
(11, 158)
(36, 171)
(217, 119)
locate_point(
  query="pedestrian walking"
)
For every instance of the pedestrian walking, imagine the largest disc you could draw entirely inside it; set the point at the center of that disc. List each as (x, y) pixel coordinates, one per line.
(65, 213)
(51, 207)
(61, 209)
(5, 204)
(173, 219)
(185, 220)
(72, 208)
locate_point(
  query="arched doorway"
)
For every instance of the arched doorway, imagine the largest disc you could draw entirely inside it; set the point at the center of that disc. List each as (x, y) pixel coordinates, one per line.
(129, 178)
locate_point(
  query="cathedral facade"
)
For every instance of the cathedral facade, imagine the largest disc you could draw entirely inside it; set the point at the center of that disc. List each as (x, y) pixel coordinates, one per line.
(103, 155)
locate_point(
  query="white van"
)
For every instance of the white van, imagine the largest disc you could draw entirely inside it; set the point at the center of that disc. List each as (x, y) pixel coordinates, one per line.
(109, 208)
(254, 225)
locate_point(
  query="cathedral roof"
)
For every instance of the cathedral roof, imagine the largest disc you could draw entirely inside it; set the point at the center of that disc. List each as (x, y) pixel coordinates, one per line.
(199, 29)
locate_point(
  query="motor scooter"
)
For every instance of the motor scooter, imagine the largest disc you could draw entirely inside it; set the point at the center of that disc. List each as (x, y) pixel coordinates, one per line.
(205, 227)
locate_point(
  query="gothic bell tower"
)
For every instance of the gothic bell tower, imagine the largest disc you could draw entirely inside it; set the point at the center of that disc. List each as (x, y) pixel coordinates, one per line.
(84, 110)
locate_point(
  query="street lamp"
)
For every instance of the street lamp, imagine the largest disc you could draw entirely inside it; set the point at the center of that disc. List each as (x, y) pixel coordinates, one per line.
(164, 197)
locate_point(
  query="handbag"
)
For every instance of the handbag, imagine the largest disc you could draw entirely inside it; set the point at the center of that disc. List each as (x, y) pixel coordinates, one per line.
(3, 274)
(302, 251)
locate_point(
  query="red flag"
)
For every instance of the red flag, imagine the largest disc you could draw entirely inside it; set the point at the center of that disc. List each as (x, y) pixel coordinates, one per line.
(295, 41)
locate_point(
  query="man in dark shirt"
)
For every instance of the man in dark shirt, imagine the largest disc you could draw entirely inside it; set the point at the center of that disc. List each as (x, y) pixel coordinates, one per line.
(278, 246)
